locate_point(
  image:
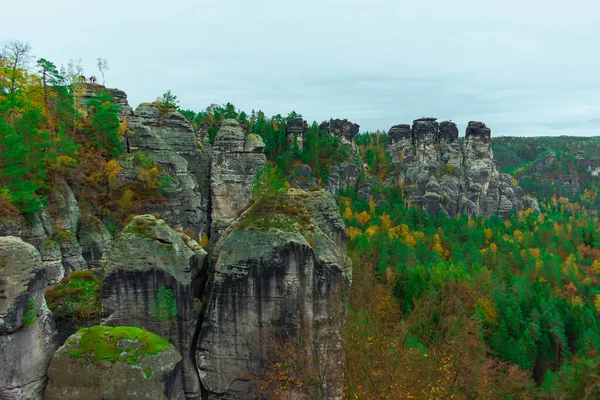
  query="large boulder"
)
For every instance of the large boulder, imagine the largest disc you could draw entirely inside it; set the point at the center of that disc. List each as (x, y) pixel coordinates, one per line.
(27, 331)
(154, 278)
(236, 159)
(117, 363)
(279, 274)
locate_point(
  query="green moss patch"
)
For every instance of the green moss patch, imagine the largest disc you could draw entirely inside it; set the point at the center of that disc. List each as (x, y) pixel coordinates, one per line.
(119, 343)
(77, 297)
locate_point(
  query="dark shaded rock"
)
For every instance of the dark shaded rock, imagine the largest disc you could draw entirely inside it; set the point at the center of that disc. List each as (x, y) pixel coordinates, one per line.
(448, 131)
(341, 128)
(146, 256)
(296, 128)
(398, 133)
(272, 272)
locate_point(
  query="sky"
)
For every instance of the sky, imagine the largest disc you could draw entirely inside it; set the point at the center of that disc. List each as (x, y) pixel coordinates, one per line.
(525, 68)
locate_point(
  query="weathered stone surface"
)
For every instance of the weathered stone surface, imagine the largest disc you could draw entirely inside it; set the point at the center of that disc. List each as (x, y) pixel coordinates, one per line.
(27, 331)
(54, 231)
(296, 128)
(341, 128)
(168, 139)
(440, 176)
(84, 377)
(235, 161)
(147, 255)
(272, 271)
(302, 177)
(84, 92)
(94, 240)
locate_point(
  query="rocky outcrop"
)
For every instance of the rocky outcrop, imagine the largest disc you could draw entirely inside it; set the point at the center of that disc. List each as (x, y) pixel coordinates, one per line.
(277, 276)
(341, 128)
(115, 363)
(296, 128)
(441, 176)
(235, 161)
(84, 92)
(27, 331)
(154, 279)
(168, 139)
(95, 241)
(54, 232)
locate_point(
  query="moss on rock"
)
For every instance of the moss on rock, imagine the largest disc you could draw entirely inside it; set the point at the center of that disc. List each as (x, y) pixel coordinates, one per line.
(120, 343)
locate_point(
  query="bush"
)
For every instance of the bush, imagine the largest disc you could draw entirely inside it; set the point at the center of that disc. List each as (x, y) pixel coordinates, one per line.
(77, 297)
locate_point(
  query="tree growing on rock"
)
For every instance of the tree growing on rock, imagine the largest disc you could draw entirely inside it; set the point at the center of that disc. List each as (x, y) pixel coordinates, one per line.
(270, 181)
(102, 67)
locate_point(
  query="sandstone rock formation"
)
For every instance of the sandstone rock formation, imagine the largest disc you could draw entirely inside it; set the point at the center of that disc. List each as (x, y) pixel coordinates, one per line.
(84, 92)
(149, 258)
(115, 363)
(442, 176)
(54, 232)
(27, 331)
(296, 128)
(168, 139)
(235, 161)
(342, 128)
(272, 271)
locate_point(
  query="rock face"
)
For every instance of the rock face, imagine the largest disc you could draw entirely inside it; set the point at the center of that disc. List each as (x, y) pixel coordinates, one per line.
(114, 363)
(442, 176)
(83, 92)
(54, 232)
(271, 272)
(235, 161)
(27, 331)
(342, 128)
(296, 128)
(168, 139)
(148, 264)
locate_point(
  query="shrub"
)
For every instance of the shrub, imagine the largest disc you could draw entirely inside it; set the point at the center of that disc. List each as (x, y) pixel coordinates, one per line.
(76, 297)
(164, 307)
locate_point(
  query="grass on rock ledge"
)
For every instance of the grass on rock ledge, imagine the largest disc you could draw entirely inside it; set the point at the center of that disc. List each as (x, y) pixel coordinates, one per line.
(76, 297)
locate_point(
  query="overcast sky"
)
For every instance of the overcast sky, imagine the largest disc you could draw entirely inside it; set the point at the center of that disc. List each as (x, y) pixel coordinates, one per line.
(525, 67)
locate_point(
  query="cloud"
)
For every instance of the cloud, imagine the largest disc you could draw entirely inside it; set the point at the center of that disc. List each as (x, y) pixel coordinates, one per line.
(523, 67)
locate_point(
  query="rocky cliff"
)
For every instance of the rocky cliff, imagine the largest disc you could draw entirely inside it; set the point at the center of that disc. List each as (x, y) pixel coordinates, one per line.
(279, 273)
(235, 161)
(154, 279)
(27, 331)
(442, 176)
(168, 139)
(276, 275)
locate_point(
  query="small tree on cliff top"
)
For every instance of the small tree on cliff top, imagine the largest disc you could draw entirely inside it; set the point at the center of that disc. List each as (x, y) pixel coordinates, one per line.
(270, 182)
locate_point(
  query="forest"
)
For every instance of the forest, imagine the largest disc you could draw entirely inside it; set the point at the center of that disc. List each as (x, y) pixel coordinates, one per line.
(438, 308)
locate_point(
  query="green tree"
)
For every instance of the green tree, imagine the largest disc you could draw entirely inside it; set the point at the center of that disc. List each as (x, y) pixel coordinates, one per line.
(270, 182)
(103, 130)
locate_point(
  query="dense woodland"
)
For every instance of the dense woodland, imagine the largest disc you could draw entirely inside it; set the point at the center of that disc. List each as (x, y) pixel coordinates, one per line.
(438, 308)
